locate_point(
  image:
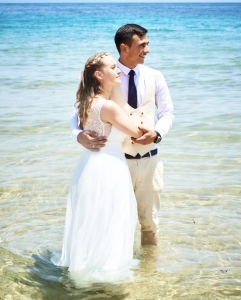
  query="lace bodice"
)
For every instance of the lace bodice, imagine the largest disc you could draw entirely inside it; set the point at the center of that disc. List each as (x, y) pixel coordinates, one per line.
(94, 122)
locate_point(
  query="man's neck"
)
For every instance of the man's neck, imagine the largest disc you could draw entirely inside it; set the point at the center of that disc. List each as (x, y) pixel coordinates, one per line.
(127, 63)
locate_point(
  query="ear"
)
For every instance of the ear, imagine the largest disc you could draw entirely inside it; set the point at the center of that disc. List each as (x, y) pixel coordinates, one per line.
(98, 75)
(124, 48)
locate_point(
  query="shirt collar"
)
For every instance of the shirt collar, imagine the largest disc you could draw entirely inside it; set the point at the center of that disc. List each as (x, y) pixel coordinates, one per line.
(126, 70)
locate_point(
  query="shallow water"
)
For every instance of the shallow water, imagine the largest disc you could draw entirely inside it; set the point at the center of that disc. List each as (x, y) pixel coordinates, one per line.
(197, 47)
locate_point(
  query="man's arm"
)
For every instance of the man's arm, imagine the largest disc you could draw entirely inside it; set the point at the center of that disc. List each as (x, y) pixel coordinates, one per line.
(164, 106)
(88, 139)
(74, 127)
(164, 112)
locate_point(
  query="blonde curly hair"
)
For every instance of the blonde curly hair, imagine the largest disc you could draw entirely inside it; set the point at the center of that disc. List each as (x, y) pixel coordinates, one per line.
(89, 86)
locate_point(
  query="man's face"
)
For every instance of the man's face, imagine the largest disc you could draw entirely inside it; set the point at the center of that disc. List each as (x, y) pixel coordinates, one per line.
(138, 50)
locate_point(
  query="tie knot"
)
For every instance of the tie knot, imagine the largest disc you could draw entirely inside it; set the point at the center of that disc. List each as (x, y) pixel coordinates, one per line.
(132, 73)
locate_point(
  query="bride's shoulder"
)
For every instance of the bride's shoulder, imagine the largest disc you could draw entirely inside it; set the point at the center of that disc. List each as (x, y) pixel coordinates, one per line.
(109, 105)
(98, 102)
(109, 109)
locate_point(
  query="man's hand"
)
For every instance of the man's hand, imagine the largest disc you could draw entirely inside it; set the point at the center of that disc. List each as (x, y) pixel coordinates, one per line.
(90, 140)
(147, 138)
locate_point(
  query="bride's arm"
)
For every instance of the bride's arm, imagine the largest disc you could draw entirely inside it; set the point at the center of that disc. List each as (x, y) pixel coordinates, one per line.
(111, 113)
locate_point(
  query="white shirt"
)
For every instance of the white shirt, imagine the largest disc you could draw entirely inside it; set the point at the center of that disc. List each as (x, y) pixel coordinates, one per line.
(162, 99)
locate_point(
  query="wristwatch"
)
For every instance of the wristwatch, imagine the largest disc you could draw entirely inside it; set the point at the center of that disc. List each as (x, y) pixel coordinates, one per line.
(158, 138)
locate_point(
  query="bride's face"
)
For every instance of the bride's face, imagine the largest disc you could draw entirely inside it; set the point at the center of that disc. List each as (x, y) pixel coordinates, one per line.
(110, 72)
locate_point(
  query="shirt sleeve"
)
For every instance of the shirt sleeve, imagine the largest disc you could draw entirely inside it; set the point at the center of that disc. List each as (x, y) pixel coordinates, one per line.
(164, 105)
(74, 127)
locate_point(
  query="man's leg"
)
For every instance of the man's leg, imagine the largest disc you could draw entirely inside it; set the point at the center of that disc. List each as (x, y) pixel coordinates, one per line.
(148, 204)
(149, 238)
(147, 182)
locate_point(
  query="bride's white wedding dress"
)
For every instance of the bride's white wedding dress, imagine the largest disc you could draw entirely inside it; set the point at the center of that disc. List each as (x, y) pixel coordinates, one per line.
(101, 209)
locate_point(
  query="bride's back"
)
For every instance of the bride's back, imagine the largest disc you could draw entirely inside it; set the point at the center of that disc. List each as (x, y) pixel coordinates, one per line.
(94, 123)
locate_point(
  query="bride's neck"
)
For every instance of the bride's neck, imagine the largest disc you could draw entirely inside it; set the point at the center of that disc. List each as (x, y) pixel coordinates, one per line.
(106, 92)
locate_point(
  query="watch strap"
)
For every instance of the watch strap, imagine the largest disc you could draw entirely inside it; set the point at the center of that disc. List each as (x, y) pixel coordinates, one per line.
(158, 137)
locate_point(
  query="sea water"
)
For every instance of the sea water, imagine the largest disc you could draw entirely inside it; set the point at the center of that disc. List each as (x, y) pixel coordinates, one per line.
(197, 47)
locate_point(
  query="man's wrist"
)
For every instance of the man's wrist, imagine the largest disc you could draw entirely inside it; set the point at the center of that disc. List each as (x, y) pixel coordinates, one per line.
(79, 137)
(75, 133)
(158, 137)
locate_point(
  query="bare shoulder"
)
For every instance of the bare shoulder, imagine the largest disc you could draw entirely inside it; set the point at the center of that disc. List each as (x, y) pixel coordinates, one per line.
(108, 110)
(109, 106)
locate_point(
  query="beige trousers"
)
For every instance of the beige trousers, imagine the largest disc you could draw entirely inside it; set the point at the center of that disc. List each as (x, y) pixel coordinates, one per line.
(147, 180)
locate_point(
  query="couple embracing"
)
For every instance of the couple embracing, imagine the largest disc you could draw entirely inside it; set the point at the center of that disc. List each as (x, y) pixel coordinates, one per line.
(119, 175)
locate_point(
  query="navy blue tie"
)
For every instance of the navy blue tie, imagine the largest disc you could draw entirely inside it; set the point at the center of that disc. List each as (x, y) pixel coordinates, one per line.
(132, 93)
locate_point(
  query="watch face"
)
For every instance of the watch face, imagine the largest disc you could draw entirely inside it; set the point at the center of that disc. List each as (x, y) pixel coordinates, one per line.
(158, 138)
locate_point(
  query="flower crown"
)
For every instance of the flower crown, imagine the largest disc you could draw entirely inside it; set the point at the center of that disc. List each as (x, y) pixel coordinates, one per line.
(99, 58)
(92, 63)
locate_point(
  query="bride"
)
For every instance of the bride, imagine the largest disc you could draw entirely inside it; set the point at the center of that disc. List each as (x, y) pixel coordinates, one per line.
(101, 210)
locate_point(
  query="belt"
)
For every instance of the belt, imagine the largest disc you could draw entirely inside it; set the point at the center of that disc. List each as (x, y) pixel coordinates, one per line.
(138, 156)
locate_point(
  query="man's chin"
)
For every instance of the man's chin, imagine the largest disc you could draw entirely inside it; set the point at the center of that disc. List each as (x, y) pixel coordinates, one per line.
(141, 60)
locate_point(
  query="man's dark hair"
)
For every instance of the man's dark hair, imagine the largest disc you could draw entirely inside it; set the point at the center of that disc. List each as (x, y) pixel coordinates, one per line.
(125, 33)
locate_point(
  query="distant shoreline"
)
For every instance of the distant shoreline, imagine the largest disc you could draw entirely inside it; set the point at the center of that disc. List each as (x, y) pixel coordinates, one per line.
(121, 2)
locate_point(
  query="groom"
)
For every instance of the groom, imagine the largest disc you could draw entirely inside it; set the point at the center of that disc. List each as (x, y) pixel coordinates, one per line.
(142, 91)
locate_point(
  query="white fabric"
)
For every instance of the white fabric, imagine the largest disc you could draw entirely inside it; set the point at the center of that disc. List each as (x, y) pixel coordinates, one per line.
(162, 98)
(101, 212)
(144, 115)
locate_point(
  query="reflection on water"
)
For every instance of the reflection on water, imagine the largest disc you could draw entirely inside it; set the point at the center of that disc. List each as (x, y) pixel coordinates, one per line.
(199, 252)
(167, 272)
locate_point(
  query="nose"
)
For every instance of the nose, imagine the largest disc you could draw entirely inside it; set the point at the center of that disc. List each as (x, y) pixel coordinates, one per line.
(146, 49)
(118, 71)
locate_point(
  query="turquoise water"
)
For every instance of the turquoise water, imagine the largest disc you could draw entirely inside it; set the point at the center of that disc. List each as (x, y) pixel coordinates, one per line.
(197, 47)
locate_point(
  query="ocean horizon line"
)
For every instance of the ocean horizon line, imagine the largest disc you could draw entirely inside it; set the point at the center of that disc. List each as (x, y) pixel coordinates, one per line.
(120, 2)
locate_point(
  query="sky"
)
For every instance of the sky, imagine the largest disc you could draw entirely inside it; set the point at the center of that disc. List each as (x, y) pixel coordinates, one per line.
(115, 1)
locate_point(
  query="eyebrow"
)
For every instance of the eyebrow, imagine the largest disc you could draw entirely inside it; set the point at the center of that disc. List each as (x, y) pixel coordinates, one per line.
(147, 43)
